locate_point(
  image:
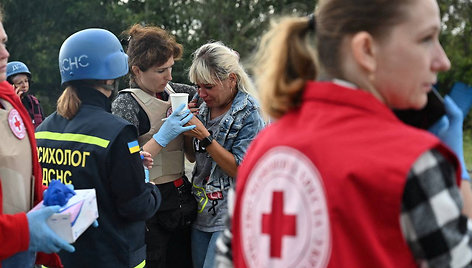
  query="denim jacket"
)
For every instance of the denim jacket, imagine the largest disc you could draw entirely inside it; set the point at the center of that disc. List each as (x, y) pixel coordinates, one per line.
(238, 128)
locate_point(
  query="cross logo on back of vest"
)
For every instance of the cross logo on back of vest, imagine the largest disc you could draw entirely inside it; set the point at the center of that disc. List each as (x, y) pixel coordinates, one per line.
(284, 213)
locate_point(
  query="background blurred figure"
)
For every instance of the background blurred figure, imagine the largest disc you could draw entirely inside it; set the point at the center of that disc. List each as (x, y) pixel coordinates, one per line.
(338, 180)
(227, 122)
(21, 234)
(152, 52)
(19, 76)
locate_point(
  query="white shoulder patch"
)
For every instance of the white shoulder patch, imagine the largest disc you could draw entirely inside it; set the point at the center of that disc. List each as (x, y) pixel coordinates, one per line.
(285, 220)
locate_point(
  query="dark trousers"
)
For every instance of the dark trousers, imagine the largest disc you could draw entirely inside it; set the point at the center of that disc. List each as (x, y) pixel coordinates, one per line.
(168, 231)
(168, 249)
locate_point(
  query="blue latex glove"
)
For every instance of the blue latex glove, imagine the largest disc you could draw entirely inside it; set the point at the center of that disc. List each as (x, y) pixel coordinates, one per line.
(58, 193)
(61, 196)
(462, 96)
(42, 238)
(173, 126)
(440, 126)
(449, 130)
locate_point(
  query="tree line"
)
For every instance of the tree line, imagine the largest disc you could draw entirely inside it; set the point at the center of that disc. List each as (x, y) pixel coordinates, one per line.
(36, 30)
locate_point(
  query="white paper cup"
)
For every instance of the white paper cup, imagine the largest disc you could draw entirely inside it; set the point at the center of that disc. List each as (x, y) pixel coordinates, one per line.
(176, 99)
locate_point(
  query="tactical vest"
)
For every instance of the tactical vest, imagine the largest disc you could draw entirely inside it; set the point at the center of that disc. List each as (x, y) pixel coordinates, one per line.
(169, 162)
(15, 162)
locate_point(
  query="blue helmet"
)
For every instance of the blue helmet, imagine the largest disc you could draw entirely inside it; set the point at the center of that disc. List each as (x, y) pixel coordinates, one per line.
(17, 67)
(92, 54)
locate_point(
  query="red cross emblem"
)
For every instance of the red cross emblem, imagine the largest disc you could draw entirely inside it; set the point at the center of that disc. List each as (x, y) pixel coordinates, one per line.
(284, 217)
(277, 224)
(16, 124)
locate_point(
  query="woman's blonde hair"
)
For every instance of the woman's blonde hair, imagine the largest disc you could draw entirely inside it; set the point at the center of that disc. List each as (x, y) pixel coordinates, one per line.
(286, 57)
(214, 62)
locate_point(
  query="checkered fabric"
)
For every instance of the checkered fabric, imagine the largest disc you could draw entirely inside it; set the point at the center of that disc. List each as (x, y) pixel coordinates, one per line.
(224, 256)
(431, 220)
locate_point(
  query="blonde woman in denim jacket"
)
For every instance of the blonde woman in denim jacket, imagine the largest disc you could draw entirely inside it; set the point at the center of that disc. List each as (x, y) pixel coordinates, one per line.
(227, 122)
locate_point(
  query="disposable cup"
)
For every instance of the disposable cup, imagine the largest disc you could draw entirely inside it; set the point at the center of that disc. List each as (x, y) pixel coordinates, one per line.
(176, 99)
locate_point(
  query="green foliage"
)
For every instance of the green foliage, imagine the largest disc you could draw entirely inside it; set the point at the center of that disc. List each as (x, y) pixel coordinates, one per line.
(455, 38)
(37, 29)
(468, 148)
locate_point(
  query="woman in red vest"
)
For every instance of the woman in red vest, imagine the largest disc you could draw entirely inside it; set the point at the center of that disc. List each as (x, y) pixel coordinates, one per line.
(23, 236)
(338, 180)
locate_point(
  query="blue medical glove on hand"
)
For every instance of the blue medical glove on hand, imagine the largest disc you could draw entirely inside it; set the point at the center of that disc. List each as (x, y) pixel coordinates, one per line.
(173, 126)
(440, 126)
(43, 238)
(450, 133)
(462, 96)
(58, 193)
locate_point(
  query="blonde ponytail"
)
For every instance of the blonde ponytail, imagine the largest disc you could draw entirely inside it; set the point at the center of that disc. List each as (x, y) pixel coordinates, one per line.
(284, 62)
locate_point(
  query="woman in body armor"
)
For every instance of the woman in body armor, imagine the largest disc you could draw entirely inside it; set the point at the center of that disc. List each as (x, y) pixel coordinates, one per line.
(152, 52)
(84, 144)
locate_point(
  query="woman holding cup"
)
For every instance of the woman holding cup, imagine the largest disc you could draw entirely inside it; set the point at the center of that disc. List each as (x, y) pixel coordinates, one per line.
(152, 52)
(227, 122)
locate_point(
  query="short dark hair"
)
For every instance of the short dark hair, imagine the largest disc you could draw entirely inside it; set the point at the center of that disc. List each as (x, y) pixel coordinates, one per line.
(149, 46)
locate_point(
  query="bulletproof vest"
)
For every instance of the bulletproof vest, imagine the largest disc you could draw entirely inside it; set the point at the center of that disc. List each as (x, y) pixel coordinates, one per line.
(169, 162)
(15, 162)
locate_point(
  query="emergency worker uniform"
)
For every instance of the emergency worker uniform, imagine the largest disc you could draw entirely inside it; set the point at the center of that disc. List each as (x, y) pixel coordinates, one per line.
(168, 231)
(94, 150)
(330, 194)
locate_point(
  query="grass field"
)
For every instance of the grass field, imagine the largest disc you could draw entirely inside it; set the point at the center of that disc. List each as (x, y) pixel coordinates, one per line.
(468, 148)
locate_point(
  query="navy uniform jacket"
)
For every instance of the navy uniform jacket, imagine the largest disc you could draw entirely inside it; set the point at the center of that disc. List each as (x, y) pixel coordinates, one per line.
(92, 151)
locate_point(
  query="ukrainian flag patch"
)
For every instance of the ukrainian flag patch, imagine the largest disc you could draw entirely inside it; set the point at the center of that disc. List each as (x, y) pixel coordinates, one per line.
(133, 147)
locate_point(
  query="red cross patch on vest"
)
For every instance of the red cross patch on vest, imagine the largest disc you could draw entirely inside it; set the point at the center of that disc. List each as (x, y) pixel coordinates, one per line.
(16, 124)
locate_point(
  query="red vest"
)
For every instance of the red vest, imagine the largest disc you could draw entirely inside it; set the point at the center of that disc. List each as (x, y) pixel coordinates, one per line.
(8, 93)
(322, 187)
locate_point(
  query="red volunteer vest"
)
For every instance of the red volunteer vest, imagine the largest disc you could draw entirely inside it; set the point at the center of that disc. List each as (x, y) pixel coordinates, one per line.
(8, 93)
(322, 187)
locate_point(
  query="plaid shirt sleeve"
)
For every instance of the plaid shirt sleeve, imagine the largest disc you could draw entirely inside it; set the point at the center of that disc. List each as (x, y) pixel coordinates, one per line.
(431, 220)
(224, 256)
